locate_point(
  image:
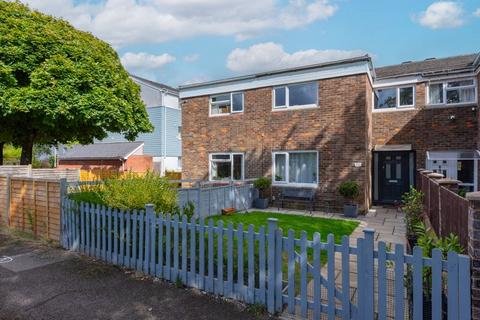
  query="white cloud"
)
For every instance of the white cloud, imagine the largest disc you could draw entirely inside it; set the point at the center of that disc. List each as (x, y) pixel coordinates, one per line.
(191, 57)
(270, 55)
(142, 60)
(477, 12)
(123, 22)
(441, 15)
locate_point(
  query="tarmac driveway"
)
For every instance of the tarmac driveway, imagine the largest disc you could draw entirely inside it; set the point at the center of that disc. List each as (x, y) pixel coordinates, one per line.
(42, 282)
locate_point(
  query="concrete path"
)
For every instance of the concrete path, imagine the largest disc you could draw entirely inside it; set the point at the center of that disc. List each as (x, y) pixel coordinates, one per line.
(42, 282)
(389, 227)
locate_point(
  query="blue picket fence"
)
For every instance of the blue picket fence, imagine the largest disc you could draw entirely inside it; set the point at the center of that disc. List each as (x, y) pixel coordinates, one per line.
(266, 267)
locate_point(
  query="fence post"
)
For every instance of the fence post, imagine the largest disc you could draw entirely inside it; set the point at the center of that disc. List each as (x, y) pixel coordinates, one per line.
(474, 250)
(272, 230)
(369, 272)
(7, 203)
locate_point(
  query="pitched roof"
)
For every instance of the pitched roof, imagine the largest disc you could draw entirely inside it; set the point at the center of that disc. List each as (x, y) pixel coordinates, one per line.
(431, 66)
(97, 151)
(154, 84)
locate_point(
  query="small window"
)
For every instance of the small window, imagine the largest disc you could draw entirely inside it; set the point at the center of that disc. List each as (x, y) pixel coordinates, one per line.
(392, 98)
(228, 103)
(295, 168)
(296, 95)
(453, 92)
(226, 166)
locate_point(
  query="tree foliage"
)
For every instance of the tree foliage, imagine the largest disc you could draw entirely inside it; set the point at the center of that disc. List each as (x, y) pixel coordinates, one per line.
(61, 85)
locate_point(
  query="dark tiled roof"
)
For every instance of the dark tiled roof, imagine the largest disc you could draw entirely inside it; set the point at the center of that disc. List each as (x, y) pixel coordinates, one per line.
(116, 150)
(154, 84)
(430, 66)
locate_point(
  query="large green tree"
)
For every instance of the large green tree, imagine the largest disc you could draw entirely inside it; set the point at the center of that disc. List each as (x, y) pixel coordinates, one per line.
(61, 85)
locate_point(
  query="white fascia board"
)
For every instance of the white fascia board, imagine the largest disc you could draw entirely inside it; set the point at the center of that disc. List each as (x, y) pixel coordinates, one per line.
(134, 151)
(279, 79)
(394, 82)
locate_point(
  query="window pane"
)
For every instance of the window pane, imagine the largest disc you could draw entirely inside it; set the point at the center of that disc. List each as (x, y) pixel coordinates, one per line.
(237, 166)
(460, 83)
(221, 108)
(303, 167)
(406, 96)
(461, 95)
(465, 171)
(221, 156)
(436, 93)
(302, 94)
(237, 102)
(280, 167)
(387, 98)
(221, 170)
(280, 97)
(222, 97)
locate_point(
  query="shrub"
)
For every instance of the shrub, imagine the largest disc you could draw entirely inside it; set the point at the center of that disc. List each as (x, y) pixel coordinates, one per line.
(262, 184)
(134, 192)
(413, 208)
(349, 190)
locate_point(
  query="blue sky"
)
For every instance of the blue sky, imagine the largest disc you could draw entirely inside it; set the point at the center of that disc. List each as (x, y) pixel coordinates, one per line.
(179, 42)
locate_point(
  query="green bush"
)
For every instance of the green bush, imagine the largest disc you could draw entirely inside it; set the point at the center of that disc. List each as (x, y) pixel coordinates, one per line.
(134, 192)
(350, 190)
(413, 208)
(262, 184)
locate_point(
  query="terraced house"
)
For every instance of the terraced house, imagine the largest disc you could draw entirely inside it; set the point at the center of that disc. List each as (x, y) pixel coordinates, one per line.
(319, 125)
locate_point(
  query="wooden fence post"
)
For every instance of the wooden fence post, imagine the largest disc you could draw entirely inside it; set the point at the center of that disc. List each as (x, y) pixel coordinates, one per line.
(368, 260)
(272, 230)
(8, 200)
(474, 250)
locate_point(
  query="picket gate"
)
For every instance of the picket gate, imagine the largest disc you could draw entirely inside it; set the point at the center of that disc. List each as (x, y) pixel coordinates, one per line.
(267, 267)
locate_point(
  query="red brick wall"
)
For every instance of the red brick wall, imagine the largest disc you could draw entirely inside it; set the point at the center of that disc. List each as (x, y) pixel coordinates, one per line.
(337, 129)
(139, 164)
(427, 128)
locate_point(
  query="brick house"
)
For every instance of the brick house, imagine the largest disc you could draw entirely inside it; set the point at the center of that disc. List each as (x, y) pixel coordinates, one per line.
(317, 126)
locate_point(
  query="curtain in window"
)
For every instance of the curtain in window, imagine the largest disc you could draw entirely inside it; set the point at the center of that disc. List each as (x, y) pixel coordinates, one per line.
(303, 167)
(280, 167)
(436, 93)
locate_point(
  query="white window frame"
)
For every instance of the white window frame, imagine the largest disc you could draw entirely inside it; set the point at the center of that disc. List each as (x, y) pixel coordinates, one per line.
(287, 97)
(231, 154)
(397, 106)
(451, 168)
(231, 103)
(287, 169)
(445, 89)
(179, 133)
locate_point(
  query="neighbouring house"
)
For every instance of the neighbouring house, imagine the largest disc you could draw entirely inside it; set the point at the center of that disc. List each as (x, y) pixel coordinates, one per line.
(320, 125)
(114, 156)
(164, 143)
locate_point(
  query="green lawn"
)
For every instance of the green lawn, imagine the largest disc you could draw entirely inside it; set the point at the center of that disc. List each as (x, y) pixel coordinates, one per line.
(297, 223)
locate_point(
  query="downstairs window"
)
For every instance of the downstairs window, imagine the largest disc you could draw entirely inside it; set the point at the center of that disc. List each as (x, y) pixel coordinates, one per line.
(295, 168)
(226, 166)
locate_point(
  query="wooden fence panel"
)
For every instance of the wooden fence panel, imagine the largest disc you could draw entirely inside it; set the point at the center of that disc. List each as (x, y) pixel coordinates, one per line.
(453, 216)
(32, 205)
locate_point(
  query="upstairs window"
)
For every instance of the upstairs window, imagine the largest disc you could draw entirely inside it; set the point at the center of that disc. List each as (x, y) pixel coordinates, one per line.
(452, 92)
(296, 95)
(226, 103)
(392, 98)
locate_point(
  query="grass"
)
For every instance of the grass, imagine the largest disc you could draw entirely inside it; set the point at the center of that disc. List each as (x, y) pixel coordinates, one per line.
(297, 223)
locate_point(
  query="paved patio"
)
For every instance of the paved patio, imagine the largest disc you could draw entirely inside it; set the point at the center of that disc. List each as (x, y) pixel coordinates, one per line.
(389, 227)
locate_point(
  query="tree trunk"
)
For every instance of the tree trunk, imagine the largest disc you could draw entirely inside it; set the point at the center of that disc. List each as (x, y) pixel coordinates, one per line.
(27, 152)
(2, 144)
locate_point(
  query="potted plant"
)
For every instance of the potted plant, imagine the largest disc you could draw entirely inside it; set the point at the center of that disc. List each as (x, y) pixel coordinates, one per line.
(350, 191)
(262, 184)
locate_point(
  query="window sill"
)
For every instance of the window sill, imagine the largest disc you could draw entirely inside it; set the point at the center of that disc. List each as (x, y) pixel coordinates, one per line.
(310, 106)
(393, 110)
(295, 185)
(225, 114)
(454, 105)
